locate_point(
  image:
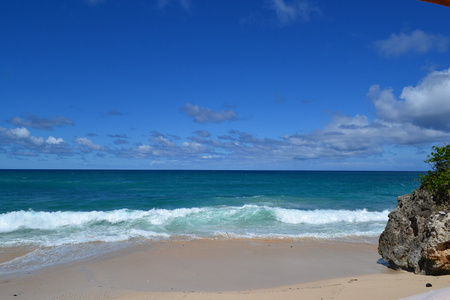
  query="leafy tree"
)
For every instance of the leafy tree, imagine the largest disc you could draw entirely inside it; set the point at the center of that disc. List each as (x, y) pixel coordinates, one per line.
(437, 181)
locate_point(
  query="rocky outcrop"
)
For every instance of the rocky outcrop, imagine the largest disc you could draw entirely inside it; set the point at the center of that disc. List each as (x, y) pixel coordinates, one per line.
(417, 235)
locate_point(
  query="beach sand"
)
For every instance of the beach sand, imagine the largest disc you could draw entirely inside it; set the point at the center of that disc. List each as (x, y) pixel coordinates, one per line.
(225, 269)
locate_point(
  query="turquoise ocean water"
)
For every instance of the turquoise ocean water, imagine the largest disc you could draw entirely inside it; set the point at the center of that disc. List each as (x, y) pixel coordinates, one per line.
(59, 213)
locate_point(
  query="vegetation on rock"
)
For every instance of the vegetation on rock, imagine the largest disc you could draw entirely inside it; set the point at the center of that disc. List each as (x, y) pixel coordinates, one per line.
(417, 234)
(437, 180)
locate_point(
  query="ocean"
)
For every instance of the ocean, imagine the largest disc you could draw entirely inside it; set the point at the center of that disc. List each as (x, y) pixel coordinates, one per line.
(64, 215)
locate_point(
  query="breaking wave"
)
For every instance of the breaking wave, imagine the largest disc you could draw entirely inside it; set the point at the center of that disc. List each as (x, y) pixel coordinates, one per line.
(71, 227)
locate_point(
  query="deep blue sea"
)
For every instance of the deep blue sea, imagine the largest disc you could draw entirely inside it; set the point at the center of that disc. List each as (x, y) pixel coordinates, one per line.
(56, 211)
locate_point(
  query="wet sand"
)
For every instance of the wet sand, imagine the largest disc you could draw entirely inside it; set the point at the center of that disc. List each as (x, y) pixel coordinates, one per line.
(225, 269)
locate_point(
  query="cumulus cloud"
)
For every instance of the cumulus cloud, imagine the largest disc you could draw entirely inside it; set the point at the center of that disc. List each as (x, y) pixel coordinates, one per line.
(300, 10)
(351, 136)
(54, 141)
(160, 146)
(415, 42)
(398, 122)
(19, 132)
(194, 147)
(41, 123)
(417, 117)
(19, 141)
(23, 135)
(144, 149)
(161, 140)
(420, 116)
(205, 115)
(87, 143)
(345, 136)
(426, 105)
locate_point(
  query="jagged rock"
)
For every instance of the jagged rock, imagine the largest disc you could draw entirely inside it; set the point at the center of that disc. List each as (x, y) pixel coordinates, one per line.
(417, 235)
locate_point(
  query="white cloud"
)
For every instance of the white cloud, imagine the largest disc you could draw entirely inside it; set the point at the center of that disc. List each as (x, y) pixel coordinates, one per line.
(418, 117)
(19, 141)
(344, 136)
(144, 149)
(54, 141)
(22, 136)
(426, 105)
(294, 10)
(37, 141)
(195, 147)
(162, 141)
(82, 141)
(206, 115)
(20, 132)
(414, 42)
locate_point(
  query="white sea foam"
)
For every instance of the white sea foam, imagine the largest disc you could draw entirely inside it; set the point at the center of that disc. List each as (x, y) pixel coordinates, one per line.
(44, 257)
(13, 221)
(291, 216)
(65, 227)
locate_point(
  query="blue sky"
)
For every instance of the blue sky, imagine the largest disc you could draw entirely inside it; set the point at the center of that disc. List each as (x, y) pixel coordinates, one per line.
(197, 84)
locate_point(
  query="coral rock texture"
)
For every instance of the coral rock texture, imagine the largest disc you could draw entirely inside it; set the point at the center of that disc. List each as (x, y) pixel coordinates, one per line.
(417, 235)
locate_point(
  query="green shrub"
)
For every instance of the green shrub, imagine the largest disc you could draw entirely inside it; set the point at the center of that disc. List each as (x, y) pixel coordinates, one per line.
(437, 181)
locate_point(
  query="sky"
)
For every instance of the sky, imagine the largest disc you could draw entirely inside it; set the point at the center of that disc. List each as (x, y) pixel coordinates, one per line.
(223, 84)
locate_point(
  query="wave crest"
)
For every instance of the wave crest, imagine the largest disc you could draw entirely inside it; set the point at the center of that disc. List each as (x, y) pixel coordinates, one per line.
(70, 227)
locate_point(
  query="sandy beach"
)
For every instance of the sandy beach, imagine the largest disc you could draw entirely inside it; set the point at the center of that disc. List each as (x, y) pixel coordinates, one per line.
(225, 269)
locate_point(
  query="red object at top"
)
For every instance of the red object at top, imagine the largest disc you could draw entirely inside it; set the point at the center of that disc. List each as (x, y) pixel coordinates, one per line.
(441, 2)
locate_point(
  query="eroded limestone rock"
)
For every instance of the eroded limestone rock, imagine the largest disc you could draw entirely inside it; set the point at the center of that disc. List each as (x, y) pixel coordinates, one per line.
(417, 235)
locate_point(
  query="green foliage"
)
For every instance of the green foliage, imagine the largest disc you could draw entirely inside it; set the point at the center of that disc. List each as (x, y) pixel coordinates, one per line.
(437, 181)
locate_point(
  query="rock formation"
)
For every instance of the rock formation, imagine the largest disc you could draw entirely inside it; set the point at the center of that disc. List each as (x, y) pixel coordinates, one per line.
(417, 235)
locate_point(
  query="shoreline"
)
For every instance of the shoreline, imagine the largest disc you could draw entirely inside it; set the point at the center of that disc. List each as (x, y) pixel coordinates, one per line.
(217, 269)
